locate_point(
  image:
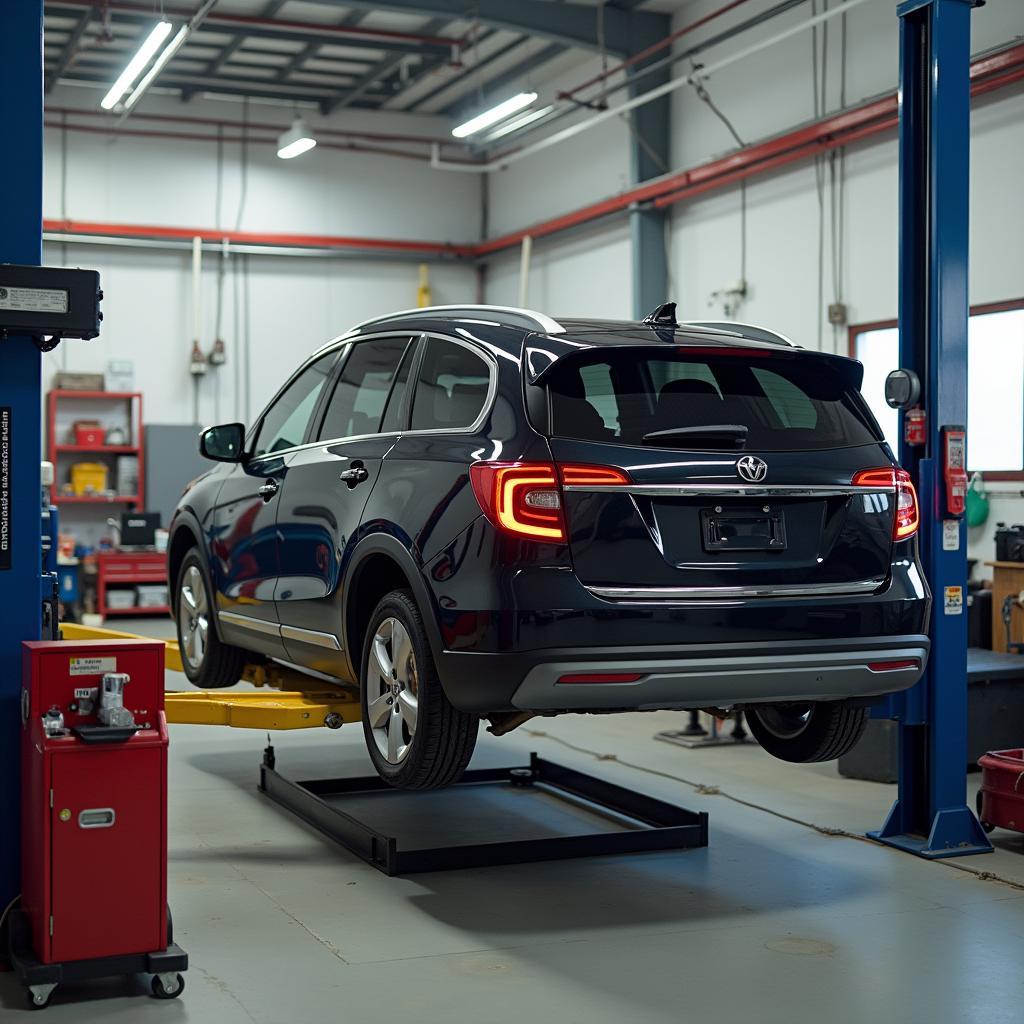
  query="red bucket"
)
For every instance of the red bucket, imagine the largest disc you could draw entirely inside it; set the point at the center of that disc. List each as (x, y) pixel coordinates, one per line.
(1001, 798)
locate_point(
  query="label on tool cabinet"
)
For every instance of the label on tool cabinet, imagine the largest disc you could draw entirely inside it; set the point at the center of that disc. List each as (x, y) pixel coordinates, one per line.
(950, 534)
(34, 300)
(92, 667)
(6, 540)
(953, 600)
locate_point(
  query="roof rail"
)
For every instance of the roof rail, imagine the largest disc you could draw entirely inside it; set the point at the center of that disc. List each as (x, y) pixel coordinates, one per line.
(751, 331)
(510, 316)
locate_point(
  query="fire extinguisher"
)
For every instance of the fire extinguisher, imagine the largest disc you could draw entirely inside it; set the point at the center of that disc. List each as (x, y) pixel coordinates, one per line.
(915, 427)
(954, 468)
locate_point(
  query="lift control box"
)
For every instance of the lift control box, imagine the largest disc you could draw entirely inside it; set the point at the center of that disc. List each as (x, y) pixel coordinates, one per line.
(51, 302)
(94, 799)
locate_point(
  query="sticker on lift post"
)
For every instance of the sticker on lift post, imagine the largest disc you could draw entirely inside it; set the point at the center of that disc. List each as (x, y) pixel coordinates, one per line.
(950, 534)
(5, 488)
(953, 600)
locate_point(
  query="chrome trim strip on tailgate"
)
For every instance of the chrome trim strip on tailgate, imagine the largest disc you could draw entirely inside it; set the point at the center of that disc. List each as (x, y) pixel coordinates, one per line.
(248, 622)
(733, 490)
(698, 593)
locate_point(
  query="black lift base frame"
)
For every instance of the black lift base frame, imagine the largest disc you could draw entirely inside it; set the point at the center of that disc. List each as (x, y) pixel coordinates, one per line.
(656, 825)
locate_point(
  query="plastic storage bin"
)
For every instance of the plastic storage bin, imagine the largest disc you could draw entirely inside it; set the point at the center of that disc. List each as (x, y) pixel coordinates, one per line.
(1001, 798)
(150, 595)
(88, 478)
(121, 599)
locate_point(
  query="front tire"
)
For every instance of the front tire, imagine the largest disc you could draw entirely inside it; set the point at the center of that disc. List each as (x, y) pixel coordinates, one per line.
(414, 736)
(807, 733)
(209, 663)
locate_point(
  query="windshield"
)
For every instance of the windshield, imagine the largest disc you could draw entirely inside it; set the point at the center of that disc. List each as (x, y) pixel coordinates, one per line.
(733, 400)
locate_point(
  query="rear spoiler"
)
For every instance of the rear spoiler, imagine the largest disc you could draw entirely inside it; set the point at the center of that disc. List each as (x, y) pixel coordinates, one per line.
(541, 353)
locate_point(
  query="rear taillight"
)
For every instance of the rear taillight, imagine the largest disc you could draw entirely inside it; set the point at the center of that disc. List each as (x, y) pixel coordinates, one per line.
(525, 498)
(908, 516)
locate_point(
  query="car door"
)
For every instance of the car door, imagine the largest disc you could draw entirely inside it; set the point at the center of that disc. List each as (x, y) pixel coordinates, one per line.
(245, 557)
(325, 489)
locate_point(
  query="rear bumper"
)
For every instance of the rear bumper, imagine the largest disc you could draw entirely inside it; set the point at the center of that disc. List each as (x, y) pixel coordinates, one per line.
(700, 675)
(717, 679)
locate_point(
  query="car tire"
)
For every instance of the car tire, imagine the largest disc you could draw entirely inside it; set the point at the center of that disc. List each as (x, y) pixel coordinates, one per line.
(208, 662)
(807, 733)
(415, 737)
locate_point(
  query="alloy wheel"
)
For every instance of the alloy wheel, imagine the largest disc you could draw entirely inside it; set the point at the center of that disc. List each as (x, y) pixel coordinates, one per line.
(193, 617)
(392, 690)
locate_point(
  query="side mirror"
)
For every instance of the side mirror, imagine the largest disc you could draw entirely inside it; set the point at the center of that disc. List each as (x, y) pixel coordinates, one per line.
(225, 443)
(902, 389)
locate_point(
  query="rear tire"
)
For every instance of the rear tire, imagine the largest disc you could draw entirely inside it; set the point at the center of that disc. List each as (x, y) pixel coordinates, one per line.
(209, 663)
(807, 733)
(414, 736)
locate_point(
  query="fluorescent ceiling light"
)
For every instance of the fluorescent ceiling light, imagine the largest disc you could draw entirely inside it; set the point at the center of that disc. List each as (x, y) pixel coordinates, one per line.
(142, 57)
(494, 115)
(519, 122)
(161, 62)
(297, 140)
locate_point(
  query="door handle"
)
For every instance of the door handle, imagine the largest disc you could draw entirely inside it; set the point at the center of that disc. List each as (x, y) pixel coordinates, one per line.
(355, 475)
(267, 490)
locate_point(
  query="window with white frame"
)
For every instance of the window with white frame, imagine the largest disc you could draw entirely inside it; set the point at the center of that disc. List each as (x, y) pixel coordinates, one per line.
(995, 385)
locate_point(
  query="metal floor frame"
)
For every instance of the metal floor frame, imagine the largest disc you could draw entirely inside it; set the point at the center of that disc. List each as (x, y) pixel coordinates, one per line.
(655, 824)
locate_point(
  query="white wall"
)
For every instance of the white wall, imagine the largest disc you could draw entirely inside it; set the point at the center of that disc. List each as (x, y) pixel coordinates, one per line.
(769, 93)
(295, 303)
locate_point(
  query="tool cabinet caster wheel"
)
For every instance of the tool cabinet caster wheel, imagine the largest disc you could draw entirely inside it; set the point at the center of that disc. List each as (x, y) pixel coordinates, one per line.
(986, 825)
(168, 986)
(39, 996)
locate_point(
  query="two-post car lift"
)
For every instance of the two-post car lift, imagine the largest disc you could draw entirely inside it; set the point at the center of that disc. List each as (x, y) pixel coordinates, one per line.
(930, 816)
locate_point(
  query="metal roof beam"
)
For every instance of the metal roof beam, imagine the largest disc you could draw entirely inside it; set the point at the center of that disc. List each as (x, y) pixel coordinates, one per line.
(514, 73)
(70, 48)
(572, 24)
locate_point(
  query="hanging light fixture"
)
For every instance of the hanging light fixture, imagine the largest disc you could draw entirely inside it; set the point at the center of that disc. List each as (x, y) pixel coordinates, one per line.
(296, 140)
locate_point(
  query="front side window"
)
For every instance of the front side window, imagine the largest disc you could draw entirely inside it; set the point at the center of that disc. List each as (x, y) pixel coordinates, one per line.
(759, 402)
(285, 422)
(452, 388)
(359, 398)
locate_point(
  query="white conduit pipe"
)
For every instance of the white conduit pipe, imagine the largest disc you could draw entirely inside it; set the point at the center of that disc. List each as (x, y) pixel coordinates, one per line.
(524, 271)
(502, 162)
(197, 292)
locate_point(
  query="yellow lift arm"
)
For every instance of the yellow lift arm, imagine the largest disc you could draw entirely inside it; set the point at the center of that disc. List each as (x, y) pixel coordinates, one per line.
(301, 701)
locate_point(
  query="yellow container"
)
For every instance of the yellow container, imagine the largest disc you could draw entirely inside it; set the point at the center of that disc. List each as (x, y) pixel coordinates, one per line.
(88, 478)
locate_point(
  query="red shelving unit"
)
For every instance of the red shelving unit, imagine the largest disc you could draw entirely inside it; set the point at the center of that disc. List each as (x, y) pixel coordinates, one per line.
(125, 568)
(87, 403)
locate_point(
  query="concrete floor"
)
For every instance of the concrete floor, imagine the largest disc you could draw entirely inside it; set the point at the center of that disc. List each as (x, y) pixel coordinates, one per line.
(773, 922)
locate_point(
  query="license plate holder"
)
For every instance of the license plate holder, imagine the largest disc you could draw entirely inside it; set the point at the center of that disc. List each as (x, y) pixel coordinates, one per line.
(742, 530)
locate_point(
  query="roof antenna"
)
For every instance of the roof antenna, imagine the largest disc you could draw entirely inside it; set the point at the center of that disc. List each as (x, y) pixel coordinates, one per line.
(663, 316)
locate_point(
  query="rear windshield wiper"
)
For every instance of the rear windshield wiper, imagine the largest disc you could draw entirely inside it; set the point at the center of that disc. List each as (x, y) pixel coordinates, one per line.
(725, 435)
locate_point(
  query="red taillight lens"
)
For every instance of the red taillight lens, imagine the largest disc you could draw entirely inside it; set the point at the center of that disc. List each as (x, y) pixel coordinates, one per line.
(525, 498)
(908, 516)
(600, 476)
(601, 677)
(892, 666)
(522, 498)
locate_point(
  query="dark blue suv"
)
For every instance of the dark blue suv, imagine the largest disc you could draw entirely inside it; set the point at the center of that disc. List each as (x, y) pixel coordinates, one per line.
(478, 512)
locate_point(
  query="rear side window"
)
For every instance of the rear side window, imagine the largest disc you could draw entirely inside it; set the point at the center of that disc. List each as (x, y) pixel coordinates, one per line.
(709, 402)
(452, 387)
(357, 405)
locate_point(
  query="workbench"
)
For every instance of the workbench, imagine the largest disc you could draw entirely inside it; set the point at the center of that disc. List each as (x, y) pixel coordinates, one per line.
(1007, 579)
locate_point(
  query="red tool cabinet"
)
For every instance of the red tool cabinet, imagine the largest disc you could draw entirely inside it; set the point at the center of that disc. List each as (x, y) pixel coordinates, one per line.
(94, 815)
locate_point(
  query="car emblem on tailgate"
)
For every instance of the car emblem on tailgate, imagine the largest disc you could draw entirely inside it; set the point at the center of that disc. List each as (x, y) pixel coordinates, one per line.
(751, 468)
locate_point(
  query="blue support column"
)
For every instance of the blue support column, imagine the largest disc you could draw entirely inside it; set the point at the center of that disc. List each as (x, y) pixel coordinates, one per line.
(21, 223)
(930, 816)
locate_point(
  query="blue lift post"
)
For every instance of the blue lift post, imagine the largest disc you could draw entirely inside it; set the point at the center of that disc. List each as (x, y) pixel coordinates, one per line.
(21, 234)
(930, 816)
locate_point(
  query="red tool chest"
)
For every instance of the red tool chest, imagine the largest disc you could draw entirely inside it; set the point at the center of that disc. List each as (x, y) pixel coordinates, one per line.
(94, 809)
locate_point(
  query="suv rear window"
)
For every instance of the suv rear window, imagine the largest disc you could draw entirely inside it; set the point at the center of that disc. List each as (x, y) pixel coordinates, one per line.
(761, 403)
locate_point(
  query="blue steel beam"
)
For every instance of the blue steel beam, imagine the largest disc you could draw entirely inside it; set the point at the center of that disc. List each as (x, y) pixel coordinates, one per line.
(930, 816)
(21, 235)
